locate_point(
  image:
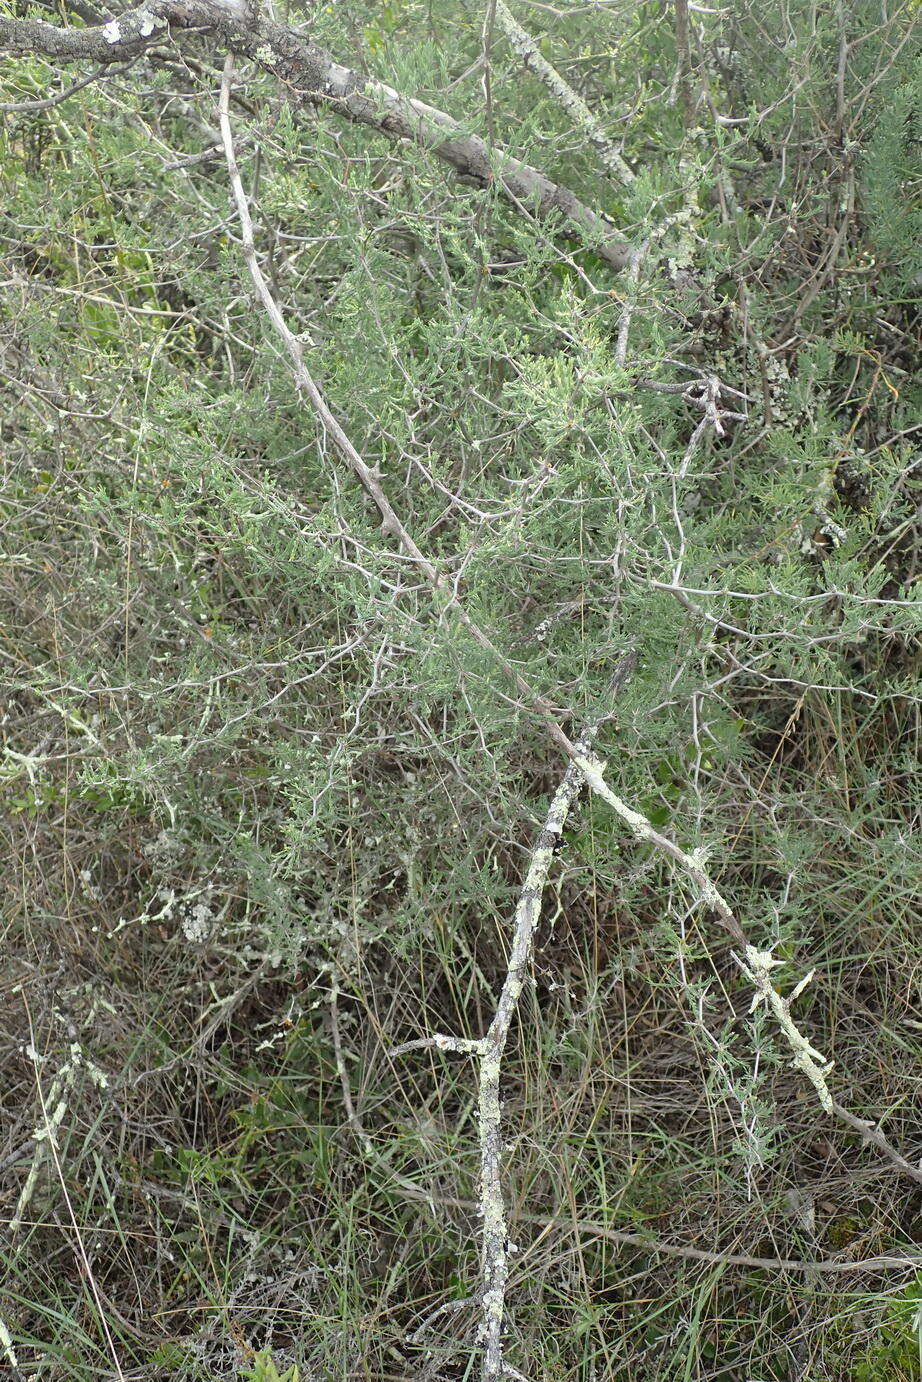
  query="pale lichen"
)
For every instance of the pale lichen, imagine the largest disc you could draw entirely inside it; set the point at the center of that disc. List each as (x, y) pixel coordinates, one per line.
(148, 22)
(143, 21)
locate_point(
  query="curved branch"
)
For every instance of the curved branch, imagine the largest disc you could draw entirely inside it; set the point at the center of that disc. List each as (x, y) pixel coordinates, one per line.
(313, 77)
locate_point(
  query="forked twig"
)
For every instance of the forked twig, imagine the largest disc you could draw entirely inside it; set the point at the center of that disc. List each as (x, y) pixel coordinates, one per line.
(495, 1246)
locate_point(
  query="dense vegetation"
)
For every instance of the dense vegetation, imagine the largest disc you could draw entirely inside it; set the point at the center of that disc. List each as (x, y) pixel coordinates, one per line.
(267, 806)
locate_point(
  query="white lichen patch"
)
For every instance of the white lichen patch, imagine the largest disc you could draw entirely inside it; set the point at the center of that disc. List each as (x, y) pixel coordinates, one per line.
(148, 22)
(757, 967)
(265, 55)
(6, 1343)
(197, 922)
(143, 24)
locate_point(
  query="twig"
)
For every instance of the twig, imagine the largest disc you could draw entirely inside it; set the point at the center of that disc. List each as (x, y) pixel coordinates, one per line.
(627, 311)
(874, 1135)
(587, 1228)
(351, 1115)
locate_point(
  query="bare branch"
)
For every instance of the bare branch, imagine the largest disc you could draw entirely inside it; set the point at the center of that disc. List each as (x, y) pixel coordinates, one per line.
(587, 1228)
(49, 102)
(873, 1134)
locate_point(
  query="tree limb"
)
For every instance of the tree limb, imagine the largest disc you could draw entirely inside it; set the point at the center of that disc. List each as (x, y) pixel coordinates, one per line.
(313, 77)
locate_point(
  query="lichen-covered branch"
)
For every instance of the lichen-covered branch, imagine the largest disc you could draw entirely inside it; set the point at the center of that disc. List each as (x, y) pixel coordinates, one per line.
(494, 1245)
(870, 1133)
(693, 864)
(757, 963)
(311, 76)
(757, 967)
(527, 49)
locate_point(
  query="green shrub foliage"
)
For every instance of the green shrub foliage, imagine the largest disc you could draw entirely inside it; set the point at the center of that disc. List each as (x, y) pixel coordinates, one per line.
(244, 750)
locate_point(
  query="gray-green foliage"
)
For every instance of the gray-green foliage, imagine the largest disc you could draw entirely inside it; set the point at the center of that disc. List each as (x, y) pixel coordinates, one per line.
(260, 749)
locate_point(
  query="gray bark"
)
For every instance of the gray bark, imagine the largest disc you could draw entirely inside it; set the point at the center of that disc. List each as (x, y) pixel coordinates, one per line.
(311, 76)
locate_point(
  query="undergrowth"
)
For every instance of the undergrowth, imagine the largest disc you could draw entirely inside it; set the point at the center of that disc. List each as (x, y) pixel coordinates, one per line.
(266, 811)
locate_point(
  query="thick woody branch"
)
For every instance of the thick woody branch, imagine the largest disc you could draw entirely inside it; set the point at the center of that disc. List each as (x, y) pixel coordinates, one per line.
(312, 77)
